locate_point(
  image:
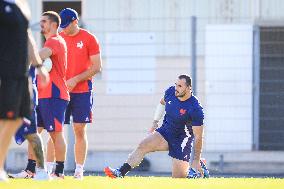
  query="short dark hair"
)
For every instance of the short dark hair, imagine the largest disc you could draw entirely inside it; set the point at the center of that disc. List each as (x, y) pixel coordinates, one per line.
(53, 16)
(187, 79)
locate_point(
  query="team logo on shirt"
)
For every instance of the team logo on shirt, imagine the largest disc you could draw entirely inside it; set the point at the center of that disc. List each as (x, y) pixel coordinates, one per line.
(182, 112)
(80, 44)
(169, 102)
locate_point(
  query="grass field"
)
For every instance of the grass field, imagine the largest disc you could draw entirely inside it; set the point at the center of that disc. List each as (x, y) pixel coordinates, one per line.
(96, 182)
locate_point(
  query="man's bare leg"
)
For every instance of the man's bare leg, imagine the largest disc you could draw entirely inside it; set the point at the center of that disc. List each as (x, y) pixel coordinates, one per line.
(179, 168)
(35, 143)
(32, 146)
(153, 142)
(81, 146)
(50, 155)
(35, 146)
(35, 157)
(50, 152)
(60, 151)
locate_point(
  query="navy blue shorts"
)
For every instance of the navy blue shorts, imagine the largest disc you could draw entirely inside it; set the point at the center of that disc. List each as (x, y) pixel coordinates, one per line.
(179, 146)
(80, 107)
(28, 127)
(51, 114)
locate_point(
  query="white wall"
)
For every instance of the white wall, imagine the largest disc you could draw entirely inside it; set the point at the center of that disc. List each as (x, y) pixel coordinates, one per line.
(228, 93)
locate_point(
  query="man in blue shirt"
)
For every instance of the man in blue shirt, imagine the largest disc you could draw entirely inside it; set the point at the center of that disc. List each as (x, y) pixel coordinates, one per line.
(183, 123)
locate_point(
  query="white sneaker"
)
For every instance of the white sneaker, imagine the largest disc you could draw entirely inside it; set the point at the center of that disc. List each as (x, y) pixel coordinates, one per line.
(78, 175)
(3, 176)
(41, 174)
(23, 174)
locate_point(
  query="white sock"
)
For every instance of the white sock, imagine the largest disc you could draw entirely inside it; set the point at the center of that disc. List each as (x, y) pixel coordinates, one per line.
(79, 168)
(49, 167)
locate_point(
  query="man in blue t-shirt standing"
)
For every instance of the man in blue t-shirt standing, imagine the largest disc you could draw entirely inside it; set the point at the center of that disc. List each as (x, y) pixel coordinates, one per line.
(183, 123)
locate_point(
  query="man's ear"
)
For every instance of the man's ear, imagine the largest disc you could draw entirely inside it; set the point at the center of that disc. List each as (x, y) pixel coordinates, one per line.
(54, 24)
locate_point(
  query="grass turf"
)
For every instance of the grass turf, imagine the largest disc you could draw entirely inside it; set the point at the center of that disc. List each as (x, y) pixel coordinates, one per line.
(98, 182)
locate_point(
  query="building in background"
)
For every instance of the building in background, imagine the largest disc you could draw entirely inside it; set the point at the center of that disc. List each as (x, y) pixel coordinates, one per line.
(146, 44)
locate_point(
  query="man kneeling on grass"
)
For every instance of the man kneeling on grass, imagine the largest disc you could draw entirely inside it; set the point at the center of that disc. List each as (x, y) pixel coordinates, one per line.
(183, 123)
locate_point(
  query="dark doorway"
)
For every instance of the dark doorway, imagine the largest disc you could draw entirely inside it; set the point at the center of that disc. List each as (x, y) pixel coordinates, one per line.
(59, 5)
(271, 98)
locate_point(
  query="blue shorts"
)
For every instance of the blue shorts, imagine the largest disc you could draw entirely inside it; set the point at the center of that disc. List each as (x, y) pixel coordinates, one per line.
(28, 127)
(51, 114)
(179, 146)
(80, 107)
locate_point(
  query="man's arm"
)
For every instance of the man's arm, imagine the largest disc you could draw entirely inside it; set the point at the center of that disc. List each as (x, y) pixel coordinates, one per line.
(95, 68)
(35, 59)
(198, 142)
(45, 53)
(159, 112)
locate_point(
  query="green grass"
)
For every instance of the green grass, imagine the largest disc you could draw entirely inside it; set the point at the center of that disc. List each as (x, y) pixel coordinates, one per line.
(97, 182)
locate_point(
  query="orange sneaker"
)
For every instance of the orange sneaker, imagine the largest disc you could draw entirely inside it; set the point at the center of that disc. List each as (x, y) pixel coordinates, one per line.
(112, 173)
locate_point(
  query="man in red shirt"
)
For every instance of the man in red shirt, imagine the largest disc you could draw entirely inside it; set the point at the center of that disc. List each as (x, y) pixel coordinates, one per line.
(53, 99)
(84, 61)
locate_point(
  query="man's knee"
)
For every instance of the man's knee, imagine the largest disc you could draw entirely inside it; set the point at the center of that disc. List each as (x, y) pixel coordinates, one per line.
(33, 139)
(57, 137)
(80, 133)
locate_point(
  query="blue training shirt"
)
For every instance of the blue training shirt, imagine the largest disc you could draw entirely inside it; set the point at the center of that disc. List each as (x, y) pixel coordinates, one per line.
(32, 74)
(181, 114)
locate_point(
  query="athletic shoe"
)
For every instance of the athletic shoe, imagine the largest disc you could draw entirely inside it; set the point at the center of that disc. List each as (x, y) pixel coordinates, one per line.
(192, 174)
(78, 175)
(112, 173)
(3, 176)
(204, 168)
(57, 177)
(41, 174)
(22, 175)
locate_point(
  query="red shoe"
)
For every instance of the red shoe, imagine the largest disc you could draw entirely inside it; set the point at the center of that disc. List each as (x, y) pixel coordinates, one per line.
(112, 173)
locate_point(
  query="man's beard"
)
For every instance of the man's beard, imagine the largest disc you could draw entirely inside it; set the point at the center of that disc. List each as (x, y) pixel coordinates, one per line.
(177, 94)
(43, 31)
